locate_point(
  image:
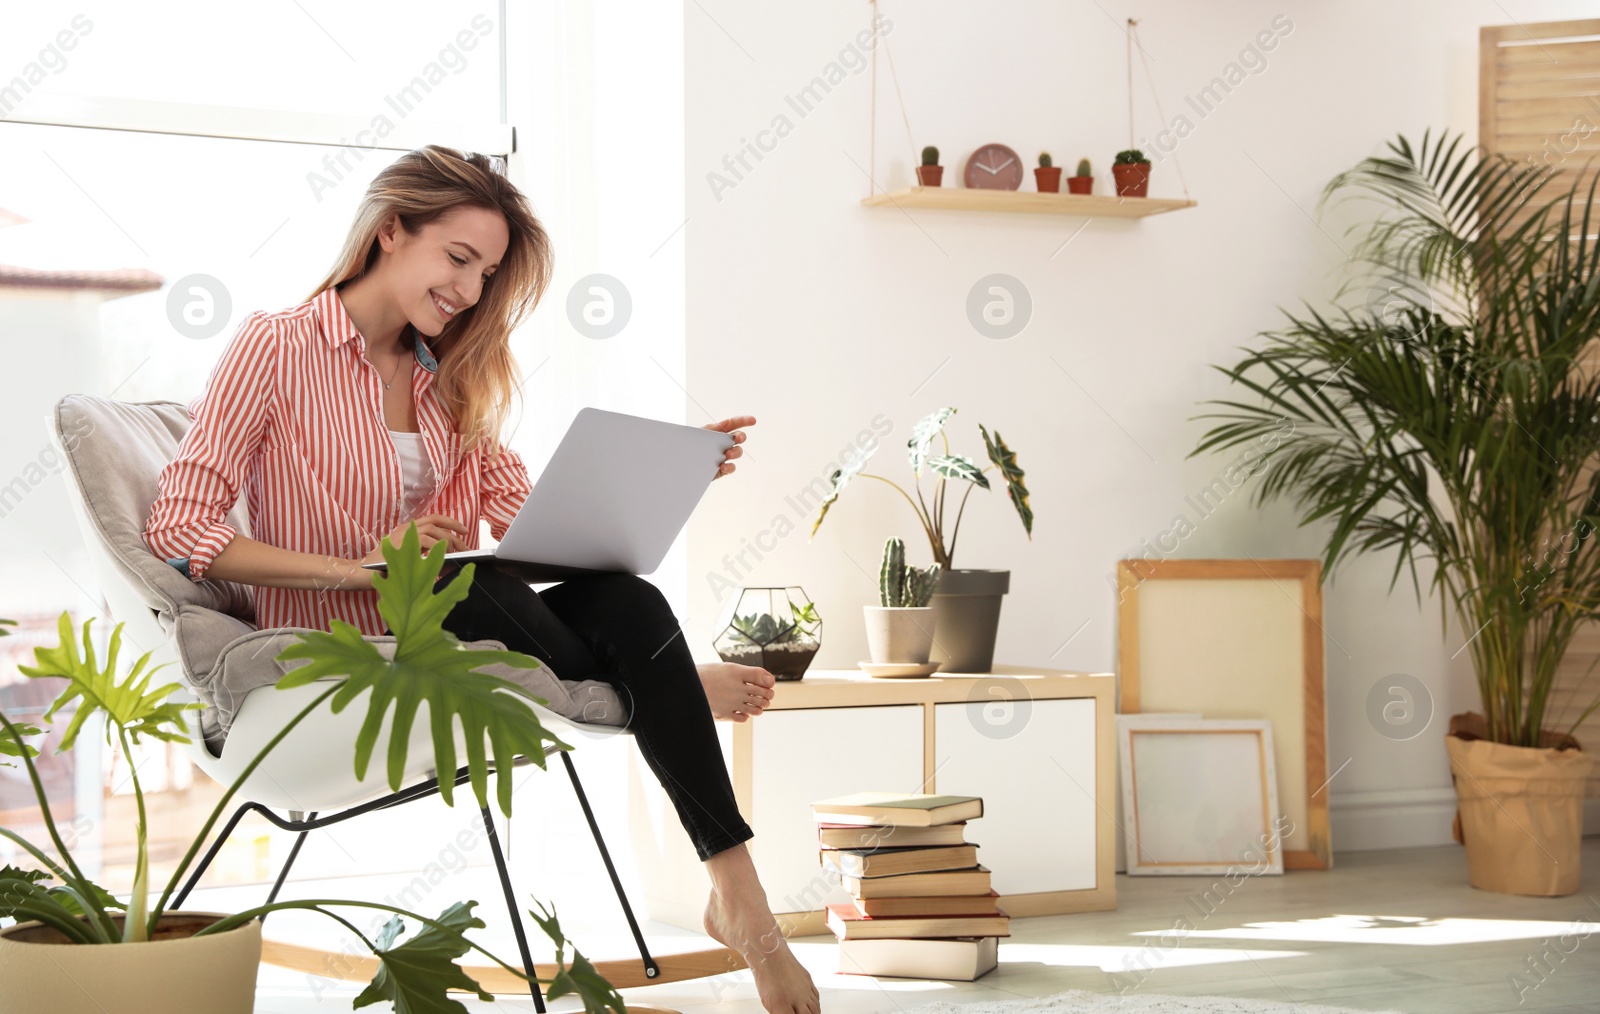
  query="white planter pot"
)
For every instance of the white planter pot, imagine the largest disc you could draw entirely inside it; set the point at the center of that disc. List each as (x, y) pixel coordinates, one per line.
(899, 634)
(214, 974)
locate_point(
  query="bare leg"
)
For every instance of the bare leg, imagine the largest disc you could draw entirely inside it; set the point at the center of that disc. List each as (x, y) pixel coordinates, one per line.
(736, 692)
(737, 916)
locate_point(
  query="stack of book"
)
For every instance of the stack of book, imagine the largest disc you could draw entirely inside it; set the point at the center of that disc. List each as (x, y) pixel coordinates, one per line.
(921, 905)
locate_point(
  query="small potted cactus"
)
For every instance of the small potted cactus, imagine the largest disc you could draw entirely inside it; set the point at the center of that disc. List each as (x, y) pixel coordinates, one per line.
(930, 172)
(776, 629)
(1132, 173)
(1048, 175)
(900, 627)
(1083, 183)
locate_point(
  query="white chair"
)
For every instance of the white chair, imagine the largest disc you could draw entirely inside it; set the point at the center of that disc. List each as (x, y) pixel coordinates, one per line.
(114, 452)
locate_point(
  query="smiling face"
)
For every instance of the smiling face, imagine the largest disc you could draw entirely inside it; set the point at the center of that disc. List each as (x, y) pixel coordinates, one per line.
(441, 271)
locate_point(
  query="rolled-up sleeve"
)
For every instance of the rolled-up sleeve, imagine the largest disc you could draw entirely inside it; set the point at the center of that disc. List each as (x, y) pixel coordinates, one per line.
(505, 486)
(201, 484)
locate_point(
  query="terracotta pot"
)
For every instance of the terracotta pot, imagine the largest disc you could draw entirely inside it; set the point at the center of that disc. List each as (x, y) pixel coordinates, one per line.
(1519, 810)
(968, 605)
(1080, 184)
(900, 633)
(1048, 179)
(1132, 180)
(42, 971)
(929, 175)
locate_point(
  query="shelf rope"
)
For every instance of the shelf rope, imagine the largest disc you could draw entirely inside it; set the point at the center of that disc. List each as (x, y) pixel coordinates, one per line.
(899, 97)
(1161, 114)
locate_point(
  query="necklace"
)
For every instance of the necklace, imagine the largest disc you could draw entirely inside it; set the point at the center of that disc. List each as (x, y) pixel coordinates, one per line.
(394, 373)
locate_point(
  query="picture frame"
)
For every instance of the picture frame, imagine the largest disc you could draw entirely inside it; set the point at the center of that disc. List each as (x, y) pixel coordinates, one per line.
(1237, 639)
(1199, 796)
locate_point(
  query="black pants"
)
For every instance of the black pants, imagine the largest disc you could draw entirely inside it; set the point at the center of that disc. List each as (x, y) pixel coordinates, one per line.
(619, 628)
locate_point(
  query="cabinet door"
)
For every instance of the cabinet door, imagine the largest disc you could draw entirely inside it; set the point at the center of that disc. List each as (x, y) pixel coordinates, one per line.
(1033, 762)
(801, 756)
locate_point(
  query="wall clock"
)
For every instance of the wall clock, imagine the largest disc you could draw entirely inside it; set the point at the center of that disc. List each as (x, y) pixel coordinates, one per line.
(994, 167)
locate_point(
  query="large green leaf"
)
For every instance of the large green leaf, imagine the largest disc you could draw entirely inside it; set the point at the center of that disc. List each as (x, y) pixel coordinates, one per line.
(582, 980)
(128, 704)
(1006, 460)
(841, 478)
(959, 466)
(431, 666)
(415, 975)
(11, 745)
(922, 435)
(579, 978)
(26, 894)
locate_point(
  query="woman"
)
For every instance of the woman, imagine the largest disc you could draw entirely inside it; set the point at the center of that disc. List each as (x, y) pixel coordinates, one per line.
(379, 402)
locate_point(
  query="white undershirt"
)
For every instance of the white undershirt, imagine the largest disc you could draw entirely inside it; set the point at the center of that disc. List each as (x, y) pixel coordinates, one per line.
(416, 472)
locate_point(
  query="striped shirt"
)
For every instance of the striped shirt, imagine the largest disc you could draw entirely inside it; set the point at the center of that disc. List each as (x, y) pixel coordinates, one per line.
(292, 420)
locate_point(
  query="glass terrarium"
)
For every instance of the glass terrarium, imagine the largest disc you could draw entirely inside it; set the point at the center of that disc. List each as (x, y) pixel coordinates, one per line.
(777, 629)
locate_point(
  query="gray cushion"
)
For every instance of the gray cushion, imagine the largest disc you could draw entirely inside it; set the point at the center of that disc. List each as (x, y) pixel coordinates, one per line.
(116, 451)
(250, 662)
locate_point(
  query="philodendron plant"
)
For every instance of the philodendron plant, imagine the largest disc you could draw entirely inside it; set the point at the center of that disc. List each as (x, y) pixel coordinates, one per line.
(430, 666)
(903, 587)
(947, 466)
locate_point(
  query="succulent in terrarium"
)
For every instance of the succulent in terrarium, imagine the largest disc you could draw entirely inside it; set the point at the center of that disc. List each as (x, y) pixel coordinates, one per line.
(782, 637)
(764, 629)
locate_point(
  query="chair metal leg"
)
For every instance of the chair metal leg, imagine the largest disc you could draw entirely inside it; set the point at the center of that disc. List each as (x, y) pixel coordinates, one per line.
(294, 853)
(511, 905)
(211, 854)
(651, 969)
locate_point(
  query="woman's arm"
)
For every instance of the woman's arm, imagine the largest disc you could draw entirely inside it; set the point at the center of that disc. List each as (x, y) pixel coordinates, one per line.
(201, 483)
(248, 561)
(504, 486)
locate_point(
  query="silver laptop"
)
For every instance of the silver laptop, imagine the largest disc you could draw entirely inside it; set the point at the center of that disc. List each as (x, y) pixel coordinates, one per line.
(613, 498)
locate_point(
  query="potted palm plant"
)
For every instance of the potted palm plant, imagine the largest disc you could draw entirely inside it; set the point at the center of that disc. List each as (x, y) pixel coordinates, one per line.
(72, 947)
(1457, 424)
(967, 602)
(900, 628)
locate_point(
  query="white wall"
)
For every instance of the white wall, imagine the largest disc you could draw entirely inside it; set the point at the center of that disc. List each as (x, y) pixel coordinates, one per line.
(816, 315)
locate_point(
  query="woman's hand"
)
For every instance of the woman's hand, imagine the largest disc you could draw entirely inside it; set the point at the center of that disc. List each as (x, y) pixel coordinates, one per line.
(731, 426)
(431, 528)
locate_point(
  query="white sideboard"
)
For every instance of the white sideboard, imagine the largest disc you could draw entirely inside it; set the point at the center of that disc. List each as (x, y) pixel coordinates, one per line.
(1036, 744)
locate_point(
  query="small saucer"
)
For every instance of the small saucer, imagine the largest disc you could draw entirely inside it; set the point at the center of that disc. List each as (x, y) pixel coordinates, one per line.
(899, 670)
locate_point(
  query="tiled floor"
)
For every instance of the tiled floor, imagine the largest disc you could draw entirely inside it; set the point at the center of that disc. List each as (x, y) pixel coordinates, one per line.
(1397, 930)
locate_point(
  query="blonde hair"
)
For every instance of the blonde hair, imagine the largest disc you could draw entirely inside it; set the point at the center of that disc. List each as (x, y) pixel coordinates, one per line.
(477, 374)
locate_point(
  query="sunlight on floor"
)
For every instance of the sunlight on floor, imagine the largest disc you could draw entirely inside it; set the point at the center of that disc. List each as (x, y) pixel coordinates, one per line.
(1396, 929)
(1117, 959)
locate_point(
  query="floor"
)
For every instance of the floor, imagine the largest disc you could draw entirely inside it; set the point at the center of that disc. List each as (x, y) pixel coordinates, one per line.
(1383, 931)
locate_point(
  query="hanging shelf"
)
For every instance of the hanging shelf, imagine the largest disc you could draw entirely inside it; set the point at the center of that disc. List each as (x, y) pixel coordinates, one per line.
(1017, 201)
(1031, 202)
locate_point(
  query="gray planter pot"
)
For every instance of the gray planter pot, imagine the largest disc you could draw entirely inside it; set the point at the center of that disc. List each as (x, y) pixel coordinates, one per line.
(967, 610)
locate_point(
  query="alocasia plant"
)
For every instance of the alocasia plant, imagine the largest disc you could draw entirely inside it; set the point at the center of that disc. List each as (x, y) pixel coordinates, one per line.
(946, 466)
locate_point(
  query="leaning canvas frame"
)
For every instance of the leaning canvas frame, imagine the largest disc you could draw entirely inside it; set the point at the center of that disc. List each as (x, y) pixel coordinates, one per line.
(1236, 639)
(1121, 865)
(1182, 775)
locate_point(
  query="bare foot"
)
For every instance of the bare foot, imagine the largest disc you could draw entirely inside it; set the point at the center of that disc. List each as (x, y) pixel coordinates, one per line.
(784, 985)
(736, 692)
